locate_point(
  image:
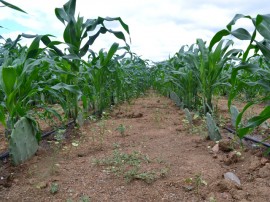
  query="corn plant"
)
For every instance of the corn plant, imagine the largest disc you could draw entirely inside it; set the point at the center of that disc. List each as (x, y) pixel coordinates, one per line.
(184, 79)
(208, 65)
(261, 27)
(22, 85)
(195, 74)
(75, 32)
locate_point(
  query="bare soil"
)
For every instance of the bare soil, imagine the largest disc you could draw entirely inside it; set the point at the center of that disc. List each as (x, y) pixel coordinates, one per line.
(141, 151)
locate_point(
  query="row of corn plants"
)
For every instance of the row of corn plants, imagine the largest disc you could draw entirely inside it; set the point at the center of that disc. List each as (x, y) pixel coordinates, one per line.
(197, 72)
(38, 76)
(254, 63)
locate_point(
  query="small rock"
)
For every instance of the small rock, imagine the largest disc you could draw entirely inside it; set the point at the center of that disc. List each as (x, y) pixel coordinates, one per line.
(41, 185)
(188, 188)
(215, 149)
(232, 177)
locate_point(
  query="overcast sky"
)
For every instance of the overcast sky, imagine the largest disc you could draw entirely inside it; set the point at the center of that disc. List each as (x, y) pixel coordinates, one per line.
(158, 27)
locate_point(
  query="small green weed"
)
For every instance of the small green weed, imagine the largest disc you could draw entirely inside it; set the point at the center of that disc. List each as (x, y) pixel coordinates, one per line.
(121, 129)
(195, 182)
(84, 198)
(129, 166)
(54, 188)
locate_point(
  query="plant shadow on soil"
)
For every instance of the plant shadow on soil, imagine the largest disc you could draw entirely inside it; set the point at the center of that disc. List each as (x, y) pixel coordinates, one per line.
(160, 157)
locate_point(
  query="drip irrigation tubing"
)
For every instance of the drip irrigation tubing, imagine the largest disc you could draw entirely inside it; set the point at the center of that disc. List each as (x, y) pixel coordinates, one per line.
(5, 154)
(248, 138)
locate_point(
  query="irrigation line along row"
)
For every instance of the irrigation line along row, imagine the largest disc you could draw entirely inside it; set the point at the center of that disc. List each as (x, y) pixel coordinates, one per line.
(249, 138)
(6, 154)
(245, 137)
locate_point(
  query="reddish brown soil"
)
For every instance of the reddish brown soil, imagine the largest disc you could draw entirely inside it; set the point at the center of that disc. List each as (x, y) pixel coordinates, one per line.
(184, 166)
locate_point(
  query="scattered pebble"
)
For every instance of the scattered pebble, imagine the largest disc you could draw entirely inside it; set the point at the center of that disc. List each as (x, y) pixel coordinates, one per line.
(232, 177)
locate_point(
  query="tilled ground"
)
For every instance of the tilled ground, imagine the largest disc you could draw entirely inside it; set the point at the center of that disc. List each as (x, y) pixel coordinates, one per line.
(141, 151)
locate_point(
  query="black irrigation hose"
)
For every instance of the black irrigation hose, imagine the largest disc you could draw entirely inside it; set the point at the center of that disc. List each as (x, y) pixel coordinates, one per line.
(53, 131)
(6, 154)
(249, 138)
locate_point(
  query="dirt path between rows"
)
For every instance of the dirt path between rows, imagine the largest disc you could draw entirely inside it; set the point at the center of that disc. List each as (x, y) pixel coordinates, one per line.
(142, 151)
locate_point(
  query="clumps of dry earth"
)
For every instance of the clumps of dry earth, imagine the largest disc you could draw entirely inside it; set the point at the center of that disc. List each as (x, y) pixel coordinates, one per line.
(144, 150)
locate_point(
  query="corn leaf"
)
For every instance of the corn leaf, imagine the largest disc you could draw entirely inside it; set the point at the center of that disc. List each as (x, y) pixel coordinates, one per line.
(217, 37)
(9, 77)
(254, 122)
(2, 116)
(12, 6)
(241, 34)
(111, 53)
(263, 25)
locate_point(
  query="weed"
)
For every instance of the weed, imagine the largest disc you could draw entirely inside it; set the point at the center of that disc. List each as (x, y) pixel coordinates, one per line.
(121, 129)
(212, 199)
(195, 182)
(158, 116)
(199, 181)
(129, 166)
(56, 147)
(84, 198)
(116, 145)
(54, 188)
(99, 132)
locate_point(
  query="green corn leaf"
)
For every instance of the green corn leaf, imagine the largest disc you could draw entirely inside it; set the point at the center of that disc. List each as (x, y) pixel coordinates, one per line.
(240, 115)
(51, 111)
(124, 25)
(92, 38)
(72, 57)
(235, 19)
(263, 25)
(61, 15)
(118, 34)
(244, 66)
(265, 49)
(254, 122)
(34, 50)
(203, 50)
(71, 88)
(12, 6)
(69, 33)
(217, 37)
(2, 116)
(70, 8)
(52, 44)
(111, 53)
(241, 34)
(246, 53)
(9, 77)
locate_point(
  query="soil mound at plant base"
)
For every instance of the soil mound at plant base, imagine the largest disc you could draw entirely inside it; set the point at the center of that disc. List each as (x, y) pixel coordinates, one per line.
(156, 156)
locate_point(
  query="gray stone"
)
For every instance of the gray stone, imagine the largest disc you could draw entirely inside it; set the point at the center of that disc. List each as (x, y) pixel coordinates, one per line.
(232, 177)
